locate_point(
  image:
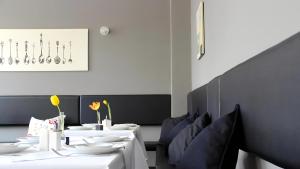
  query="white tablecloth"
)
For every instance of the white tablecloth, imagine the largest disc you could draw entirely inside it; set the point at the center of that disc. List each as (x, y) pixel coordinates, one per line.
(133, 156)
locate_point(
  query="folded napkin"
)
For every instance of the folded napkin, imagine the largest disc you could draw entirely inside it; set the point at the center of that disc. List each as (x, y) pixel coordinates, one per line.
(36, 124)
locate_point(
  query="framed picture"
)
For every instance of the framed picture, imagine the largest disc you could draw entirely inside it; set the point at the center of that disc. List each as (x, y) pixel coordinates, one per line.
(44, 49)
(200, 30)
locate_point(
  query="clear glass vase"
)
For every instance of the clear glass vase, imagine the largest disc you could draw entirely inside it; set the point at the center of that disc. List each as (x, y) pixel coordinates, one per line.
(98, 117)
(62, 121)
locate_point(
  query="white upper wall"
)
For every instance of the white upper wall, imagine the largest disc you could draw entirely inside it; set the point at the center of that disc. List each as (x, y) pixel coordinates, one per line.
(236, 30)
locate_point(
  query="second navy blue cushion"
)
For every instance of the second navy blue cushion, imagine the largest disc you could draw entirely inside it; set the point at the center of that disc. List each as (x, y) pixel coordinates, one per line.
(185, 137)
(167, 126)
(171, 127)
(190, 118)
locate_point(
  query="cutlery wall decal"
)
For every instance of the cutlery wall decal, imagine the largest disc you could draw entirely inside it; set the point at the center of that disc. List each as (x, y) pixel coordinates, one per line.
(57, 58)
(64, 59)
(33, 58)
(2, 58)
(70, 59)
(26, 58)
(10, 59)
(17, 60)
(55, 50)
(48, 59)
(41, 58)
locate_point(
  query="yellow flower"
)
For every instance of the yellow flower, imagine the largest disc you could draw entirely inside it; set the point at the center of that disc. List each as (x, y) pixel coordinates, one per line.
(54, 100)
(105, 102)
(95, 106)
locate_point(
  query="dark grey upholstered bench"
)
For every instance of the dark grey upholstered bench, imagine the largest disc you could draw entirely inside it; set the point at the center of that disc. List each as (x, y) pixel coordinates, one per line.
(162, 157)
(151, 145)
(268, 91)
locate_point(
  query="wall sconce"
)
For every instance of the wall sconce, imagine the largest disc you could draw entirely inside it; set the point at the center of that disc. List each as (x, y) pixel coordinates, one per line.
(200, 30)
(104, 30)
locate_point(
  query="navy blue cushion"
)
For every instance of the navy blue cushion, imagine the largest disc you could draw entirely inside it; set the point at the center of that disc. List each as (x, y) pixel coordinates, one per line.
(175, 130)
(172, 126)
(192, 116)
(185, 137)
(216, 146)
(167, 126)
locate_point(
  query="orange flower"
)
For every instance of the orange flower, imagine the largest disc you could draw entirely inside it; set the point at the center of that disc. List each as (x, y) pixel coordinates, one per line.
(95, 106)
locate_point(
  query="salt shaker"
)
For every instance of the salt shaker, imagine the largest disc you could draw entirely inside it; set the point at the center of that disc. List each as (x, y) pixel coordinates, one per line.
(55, 140)
(55, 136)
(44, 139)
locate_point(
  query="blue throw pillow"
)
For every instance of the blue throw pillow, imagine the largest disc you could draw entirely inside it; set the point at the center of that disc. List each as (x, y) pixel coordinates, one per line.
(185, 137)
(216, 146)
(175, 130)
(171, 127)
(192, 116)
(167, 126)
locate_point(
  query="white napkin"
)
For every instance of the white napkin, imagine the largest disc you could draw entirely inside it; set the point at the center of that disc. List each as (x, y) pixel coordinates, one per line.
(34, 126)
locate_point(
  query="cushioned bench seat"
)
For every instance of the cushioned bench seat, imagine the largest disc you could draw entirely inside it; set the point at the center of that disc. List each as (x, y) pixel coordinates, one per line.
(162, 158)
(151, 145)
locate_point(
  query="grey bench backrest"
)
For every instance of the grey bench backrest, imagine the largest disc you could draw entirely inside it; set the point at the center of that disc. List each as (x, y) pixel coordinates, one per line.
(267, 87)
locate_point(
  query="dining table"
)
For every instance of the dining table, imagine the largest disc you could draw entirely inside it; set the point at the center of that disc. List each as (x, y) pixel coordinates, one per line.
(130, 153)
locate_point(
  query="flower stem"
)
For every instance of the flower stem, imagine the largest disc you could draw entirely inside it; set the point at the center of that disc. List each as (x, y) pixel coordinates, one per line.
(109, 111)
(58, 109)
(98, 117)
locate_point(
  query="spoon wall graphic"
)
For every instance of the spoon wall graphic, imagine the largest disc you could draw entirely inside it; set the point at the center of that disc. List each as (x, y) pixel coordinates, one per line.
(10, 59)
(57, 58)
(48, 59)
(2, 58)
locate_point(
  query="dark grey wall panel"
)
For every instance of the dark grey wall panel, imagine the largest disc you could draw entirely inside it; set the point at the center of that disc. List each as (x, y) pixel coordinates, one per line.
(140, 109)
(189, 102)
(17, 110)
(213, 98)
(267, 87)
(197, 100)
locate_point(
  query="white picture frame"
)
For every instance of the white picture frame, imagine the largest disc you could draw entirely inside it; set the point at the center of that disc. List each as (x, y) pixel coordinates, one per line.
(200, 30)
(68, 49)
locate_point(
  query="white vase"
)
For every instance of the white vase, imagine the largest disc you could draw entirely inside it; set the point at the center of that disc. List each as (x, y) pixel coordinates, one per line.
(106, 124)
(55, 140)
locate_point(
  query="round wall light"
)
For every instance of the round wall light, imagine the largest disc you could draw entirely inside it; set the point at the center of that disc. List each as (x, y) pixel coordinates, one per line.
(104, 30)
